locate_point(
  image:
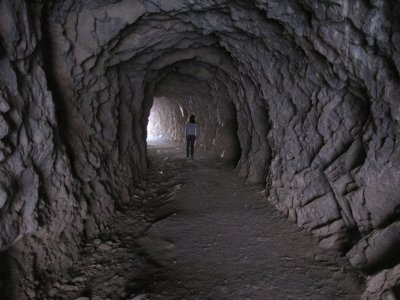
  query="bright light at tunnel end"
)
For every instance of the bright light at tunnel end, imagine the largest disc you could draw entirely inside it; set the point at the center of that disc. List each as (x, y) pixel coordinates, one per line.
(154, 130)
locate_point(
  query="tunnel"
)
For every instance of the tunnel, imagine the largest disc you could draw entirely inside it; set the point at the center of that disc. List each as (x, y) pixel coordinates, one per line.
(300, 96)
(192, 87)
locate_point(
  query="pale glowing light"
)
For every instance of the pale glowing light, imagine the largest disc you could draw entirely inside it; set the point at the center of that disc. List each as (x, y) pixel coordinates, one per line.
(154, 130)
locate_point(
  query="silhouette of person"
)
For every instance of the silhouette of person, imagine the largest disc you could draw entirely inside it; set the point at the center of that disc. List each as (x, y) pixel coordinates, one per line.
(191, 130)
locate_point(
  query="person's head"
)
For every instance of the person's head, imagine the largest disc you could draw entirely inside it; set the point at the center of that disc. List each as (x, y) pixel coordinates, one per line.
(192, 119)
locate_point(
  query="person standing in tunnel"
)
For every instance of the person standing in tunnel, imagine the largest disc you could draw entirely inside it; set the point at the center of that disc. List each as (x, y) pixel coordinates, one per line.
(191, 131)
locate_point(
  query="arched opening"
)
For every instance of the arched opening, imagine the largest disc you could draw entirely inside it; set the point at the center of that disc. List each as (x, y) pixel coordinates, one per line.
(191, 87)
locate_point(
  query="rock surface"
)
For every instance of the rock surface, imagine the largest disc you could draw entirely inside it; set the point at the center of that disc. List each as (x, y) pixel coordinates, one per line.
(303, 94)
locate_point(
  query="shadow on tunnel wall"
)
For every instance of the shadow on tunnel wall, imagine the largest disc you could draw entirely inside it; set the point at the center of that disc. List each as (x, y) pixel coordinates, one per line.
(7, 287)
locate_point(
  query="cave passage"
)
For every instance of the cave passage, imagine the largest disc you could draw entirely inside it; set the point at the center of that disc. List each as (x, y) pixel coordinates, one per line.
(187, 88)
(179, 95)
(297, 97)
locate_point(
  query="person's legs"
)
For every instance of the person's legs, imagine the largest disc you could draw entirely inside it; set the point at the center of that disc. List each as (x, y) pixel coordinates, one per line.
(192, 145)
(187, 145)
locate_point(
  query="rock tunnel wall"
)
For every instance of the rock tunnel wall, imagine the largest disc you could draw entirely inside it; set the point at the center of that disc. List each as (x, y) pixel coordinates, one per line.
(314, 86)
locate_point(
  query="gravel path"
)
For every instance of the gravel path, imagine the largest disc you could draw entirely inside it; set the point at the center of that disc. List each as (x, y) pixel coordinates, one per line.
(195, 231)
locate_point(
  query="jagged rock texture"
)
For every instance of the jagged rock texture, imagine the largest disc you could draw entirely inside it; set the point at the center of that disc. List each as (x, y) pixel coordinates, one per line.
(311, 87)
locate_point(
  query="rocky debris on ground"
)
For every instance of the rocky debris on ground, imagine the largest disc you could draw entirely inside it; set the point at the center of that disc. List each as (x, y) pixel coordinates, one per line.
(202, 237)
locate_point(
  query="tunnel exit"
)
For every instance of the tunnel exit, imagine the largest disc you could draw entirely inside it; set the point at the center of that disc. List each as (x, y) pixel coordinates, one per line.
(155, 130)
(181, 94)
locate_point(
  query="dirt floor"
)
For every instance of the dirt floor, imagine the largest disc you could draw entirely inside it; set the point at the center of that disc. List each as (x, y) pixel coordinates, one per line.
(194, 230)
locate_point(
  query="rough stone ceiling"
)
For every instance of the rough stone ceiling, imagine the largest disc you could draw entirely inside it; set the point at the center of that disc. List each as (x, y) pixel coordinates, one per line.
(312, 87)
